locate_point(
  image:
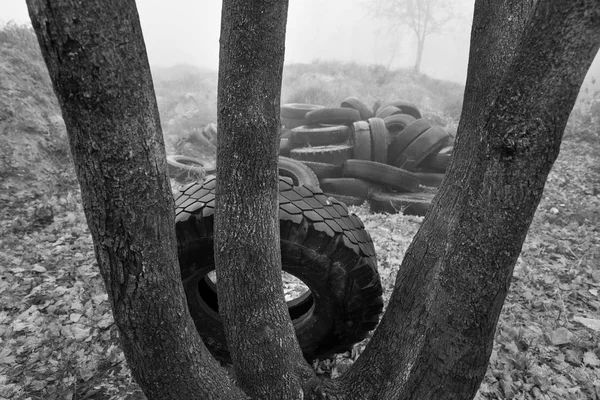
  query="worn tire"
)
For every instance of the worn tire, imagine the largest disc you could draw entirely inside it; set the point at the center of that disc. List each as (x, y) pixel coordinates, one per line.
(332, 116)
(321, 244)
(406, 203)
(402, 140)
(334, 154)
(347, 200)
(361, 135)
(430, 142)
(406, 106)
(323, 170)
(188, 168)
(355, 103)
(379, 140)
(382, 174)
(299, 173)
(297, 111)
(316, 135)
(440, 161)
(349, 187)
(387, 111)
(398, 122)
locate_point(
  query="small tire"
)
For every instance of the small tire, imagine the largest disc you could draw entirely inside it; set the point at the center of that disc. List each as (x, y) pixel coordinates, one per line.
(183, 168)
(406, 106)
(382, 174)
(323, 170)
(388, 111)
(440, 161)
(408, 204)
(310, 135)
(334, 154)
(355, 103)
(321, 244)
(430, 142)
(401, 141)
(361, 135)
(299, 173)
(398, 122)
(297, 111)
(379, 140)
(332, 116)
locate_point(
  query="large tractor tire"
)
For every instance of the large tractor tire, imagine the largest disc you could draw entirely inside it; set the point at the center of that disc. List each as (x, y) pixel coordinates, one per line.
(321, 244)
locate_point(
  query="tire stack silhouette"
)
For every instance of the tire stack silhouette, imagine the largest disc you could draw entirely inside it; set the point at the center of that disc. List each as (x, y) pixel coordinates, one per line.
(391, 157)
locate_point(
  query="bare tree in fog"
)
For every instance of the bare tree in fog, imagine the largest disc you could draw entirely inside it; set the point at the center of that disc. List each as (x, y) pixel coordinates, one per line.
(420, 17)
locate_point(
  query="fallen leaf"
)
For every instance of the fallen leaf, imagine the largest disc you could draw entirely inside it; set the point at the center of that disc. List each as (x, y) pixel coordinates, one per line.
(590, 358)
(560, 336)
(589, 323)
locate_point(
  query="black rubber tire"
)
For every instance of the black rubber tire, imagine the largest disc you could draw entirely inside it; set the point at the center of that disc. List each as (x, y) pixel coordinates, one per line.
(398, 122)
(333, 116)
(406, 106)
(347, 200)
(430, 179)
(440, 161)
(298, 172)
(317, 135)
(184, 168)
(401, 141)
(297, 110)
(291, 123)
(430, 142)
(349, 187)
(387, 111)
(321, 244)
(323, 170)
(382, 174)
(394, 203)
(379, 140)
(355, 103)
(334, 154)
(361, 135)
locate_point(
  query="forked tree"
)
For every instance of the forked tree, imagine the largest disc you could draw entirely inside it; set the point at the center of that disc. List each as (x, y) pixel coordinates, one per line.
(527, 62)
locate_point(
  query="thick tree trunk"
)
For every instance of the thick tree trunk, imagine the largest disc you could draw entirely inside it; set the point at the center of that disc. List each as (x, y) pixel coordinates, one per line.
(97, 61)
(260, 336)
(435, 339)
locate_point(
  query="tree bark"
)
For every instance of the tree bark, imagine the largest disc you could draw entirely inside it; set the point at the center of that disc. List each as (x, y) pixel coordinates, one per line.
(97, 62)
(435, 339)
(260, 336)
(420, 47)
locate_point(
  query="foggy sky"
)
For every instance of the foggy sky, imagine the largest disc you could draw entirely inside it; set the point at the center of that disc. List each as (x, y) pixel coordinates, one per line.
(187, 31)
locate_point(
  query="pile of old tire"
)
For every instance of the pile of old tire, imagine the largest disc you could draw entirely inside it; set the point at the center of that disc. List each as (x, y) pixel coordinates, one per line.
(322, 244)
(391, 156)
(186, 169)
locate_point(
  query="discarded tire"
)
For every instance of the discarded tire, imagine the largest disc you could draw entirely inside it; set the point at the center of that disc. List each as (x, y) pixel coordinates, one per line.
(406, 203)
(401, 141)
(398, 122)
(297, 111)
(348, 187)
(333, 116)
(430, 142)
(361, 135)
(379, 140)
(383, 174)
(406, 106)
(440, 161)
(334, 154)
(320, 135)
(321, 244)
(388, 111)
(363, 110)
(323, 170)
(188, 168)
(299, 173)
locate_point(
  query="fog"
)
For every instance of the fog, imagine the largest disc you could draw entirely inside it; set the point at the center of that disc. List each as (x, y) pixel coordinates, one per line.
(186, 31)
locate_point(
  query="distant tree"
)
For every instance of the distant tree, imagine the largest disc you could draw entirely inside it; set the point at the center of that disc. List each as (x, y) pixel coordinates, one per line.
(421, 17)
(526, 66)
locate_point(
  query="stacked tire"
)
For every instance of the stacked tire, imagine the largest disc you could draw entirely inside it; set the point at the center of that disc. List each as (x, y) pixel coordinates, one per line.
(390, 157)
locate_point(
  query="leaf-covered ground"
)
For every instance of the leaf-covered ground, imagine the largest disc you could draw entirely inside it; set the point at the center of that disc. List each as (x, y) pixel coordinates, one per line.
(58, 340)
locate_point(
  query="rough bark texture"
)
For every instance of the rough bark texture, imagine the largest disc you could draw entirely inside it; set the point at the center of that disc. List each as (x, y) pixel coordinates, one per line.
(97, 62)
(260, 336)
(435, 339)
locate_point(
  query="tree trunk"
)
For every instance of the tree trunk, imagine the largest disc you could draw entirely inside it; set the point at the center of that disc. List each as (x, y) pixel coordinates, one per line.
(435, 339)
(97, 62)
(420, 47)
(260, 335)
